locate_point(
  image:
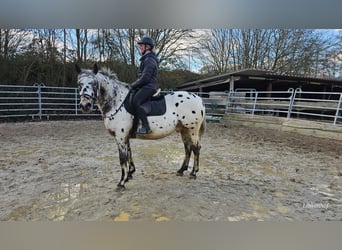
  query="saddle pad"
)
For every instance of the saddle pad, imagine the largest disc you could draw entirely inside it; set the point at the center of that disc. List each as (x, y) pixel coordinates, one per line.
(155, 107)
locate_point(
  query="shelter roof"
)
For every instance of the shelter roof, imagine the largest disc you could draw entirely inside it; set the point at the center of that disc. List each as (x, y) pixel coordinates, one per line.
(258, 75)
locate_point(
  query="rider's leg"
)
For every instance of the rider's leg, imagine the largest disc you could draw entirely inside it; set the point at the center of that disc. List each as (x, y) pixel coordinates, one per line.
(145, 128)
(143, 95)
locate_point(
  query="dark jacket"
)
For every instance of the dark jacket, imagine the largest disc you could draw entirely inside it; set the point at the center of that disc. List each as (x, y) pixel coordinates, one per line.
(148, 72)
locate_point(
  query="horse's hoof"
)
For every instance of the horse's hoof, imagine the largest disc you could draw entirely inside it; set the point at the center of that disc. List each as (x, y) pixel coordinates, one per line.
(192, 176)
(179, 174)
(120, 188)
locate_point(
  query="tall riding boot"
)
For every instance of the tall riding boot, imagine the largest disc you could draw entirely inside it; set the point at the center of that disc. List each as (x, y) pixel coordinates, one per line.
(145, 128)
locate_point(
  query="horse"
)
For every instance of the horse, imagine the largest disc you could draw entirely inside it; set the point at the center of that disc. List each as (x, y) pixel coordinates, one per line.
(183, 112)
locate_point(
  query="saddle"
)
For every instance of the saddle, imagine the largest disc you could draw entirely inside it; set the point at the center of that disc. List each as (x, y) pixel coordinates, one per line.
(156, 106)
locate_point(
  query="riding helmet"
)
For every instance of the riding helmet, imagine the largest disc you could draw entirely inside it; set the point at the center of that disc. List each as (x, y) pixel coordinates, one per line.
(147, 40)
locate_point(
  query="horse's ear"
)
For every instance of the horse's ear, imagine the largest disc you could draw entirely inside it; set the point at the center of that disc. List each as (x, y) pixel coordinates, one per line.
(78, 69)
(95, 69)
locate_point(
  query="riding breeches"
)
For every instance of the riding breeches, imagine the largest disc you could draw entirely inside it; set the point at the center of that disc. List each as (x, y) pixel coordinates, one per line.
(142, 96)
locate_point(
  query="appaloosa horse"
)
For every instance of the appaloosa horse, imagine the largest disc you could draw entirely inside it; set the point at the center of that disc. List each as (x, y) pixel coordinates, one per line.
(179, 111)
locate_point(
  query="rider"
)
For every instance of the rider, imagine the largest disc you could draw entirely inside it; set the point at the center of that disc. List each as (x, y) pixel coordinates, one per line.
(146, 84)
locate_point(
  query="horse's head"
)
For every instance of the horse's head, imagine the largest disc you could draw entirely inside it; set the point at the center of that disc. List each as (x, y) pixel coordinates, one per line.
(88, 87)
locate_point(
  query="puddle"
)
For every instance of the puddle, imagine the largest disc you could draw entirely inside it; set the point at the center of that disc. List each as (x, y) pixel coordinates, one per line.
(63, 201)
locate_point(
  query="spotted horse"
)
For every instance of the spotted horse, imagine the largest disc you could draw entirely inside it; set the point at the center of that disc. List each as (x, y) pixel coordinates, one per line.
(184, 113)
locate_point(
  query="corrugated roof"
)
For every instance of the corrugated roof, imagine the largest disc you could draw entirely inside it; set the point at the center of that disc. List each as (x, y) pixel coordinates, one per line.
(270, 75)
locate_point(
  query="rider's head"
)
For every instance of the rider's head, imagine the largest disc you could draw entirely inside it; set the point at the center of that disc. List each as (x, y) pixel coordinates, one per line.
(145, 44)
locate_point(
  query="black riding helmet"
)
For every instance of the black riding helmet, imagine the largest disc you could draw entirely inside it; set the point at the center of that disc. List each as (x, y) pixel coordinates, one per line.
(147, 40)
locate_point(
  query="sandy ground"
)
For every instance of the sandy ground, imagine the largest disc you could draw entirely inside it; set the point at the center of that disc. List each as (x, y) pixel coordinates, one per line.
(68, 171)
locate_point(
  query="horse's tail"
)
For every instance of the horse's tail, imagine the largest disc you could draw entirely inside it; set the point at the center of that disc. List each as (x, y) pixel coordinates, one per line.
(203, 126)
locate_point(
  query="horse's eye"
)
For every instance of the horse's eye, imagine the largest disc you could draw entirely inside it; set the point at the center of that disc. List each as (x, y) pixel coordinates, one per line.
(94, 84)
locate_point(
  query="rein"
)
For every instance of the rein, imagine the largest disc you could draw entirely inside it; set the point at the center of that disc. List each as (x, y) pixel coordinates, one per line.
(111, 116)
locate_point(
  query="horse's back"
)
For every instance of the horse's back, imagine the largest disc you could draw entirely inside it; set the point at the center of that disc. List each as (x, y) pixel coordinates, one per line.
(187, 106)
(181, 98)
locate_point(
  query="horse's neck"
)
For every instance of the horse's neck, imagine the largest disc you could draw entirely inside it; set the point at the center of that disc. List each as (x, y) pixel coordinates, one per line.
(111, 94)
(121, 92)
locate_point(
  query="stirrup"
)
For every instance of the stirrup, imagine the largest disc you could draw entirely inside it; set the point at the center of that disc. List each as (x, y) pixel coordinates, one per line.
(143, 131)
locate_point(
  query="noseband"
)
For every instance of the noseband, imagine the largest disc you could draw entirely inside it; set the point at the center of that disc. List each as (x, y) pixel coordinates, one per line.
(89, 97)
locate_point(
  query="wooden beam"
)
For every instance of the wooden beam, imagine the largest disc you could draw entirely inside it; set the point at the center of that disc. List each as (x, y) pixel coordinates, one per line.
(231, 83)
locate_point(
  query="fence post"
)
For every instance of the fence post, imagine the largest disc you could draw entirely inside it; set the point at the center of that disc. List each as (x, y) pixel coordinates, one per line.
(255, 102)
(230, 94)
(292, 98)
(39, 92)
(338, 109)
(76, 104)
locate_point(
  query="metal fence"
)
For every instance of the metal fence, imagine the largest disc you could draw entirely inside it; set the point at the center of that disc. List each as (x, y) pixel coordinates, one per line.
(40, 101)
(323, 107)
(215, 105)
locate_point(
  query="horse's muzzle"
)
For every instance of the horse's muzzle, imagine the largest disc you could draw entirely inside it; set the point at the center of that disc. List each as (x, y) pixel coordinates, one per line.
(85, 105)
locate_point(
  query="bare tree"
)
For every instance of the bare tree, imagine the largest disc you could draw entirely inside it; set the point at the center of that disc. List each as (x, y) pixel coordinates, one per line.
(115, 45)
(219, 50)
(282, 50)
(120, 45)
(124, 42)
(82, 45)
(65, 48)
(12, 42)
(172, 45)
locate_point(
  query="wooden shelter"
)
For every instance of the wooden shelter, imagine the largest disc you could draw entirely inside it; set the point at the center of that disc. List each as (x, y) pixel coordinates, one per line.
(262, 80)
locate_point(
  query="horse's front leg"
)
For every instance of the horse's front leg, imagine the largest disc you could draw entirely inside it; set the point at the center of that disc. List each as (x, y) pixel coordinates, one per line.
(130, 162)
(124, 162)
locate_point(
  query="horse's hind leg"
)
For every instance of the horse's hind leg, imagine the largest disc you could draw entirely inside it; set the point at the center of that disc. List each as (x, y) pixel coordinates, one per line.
(191, 139)
(196, 149)
(185, 164)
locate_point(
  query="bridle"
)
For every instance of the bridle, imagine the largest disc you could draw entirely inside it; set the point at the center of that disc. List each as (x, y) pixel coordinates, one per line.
(89, 97)
(93, 98)
(111, 116)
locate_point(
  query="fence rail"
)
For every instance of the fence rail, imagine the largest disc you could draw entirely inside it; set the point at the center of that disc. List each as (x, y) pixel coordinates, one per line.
(323, 107)
(40, 101)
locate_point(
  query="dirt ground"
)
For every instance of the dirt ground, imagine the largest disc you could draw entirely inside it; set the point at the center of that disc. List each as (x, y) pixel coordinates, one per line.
(68, 171)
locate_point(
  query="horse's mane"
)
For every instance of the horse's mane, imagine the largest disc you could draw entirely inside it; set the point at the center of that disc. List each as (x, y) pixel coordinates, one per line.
(107, 72)
(112, 76)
